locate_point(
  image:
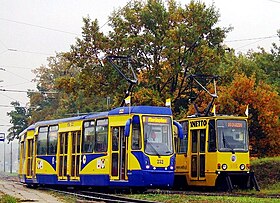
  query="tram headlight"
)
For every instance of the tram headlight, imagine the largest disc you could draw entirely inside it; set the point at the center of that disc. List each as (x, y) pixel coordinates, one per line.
(147, 162)
(242, 167)
(224, 166)
(171, 167)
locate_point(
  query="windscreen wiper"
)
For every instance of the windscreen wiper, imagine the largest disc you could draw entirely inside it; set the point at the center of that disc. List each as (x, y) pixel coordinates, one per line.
(227, 145)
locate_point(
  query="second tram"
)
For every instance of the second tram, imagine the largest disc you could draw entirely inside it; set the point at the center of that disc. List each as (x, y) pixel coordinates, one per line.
(214, 152)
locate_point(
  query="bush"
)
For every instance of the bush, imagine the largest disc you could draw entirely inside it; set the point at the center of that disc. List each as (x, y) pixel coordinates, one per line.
(267, 171)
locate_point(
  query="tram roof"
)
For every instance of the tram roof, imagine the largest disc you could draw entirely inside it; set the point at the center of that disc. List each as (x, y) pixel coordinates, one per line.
(141, 110)
(52, 122)
(31, 127)
(117, 111)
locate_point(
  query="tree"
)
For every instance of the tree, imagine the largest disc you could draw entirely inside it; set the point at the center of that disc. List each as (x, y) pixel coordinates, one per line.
(166, 41)
(264, 109)
(169, 42)
(44, 104)
(19, 120)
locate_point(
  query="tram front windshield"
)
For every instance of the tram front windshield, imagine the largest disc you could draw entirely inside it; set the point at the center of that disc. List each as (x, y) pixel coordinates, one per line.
(157, 135)
(232, 135)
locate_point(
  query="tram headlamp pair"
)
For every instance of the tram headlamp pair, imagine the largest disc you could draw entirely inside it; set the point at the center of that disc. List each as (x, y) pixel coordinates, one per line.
(149, 166)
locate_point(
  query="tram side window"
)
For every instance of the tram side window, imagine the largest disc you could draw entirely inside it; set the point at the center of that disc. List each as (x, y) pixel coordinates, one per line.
(136, 136)
(183, 143)
(101, 139)
(42, 141)
(88, 136)
(212, 137)
(52, 140)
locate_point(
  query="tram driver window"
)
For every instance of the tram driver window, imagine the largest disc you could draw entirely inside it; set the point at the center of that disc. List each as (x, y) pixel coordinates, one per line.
(42, 141)
(88, 137)
(136, 142)
(183, 143)
(136, 136)
(212, 137)
(101, 139)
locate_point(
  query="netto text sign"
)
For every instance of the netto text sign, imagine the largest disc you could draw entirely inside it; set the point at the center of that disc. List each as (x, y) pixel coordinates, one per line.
(200, 123)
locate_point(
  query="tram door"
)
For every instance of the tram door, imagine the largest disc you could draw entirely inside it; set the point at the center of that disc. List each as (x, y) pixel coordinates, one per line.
(198, 154)
(62, 156)
(21, 158)
(29, 158)
(119, 154)
(69, 155)
(75, 152)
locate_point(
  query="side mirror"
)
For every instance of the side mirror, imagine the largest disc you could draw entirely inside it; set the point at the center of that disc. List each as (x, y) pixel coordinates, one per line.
(127, 128)
(180, 129)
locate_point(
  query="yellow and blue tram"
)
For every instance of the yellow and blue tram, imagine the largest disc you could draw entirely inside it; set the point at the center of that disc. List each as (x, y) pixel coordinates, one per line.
(214, 152)
(125, 147)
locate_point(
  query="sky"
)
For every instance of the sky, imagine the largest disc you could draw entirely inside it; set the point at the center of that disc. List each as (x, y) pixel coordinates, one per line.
(33, 30)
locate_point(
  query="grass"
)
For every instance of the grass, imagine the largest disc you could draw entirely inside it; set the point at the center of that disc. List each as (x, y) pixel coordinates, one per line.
(265, 160)
(8, 199)
(271, 189)
(175, 198)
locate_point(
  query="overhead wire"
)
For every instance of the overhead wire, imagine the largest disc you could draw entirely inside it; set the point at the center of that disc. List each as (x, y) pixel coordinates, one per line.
(116, 13)
(27, 91)
(11, 98)
(274, 1)
(8, 106)
(29, 52)
(3, 44)
(18, 75)
(251, 39)
(39, 26)
(19, 67)
(249, 44)
(13, 85)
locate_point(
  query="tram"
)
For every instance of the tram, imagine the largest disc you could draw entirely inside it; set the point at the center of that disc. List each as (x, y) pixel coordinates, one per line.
(124, 147)
(214, 152)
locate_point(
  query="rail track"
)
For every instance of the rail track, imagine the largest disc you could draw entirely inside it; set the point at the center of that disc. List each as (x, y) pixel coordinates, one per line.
(105, 197)
(101, 197)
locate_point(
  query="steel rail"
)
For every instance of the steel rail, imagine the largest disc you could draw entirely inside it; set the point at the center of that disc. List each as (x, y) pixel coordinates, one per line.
(104, 197)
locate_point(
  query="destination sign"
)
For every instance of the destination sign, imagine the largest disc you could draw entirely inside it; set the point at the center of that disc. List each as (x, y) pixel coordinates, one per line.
(156, 120)
(201, 123)
(235, 125)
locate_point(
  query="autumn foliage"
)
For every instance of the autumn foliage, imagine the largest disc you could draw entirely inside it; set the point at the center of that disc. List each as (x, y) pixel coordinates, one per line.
(264, 111)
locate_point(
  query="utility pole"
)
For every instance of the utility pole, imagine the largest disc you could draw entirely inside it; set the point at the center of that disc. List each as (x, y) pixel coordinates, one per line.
(2, 135)
(2, 139)
(11, 158)
(4, 157)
